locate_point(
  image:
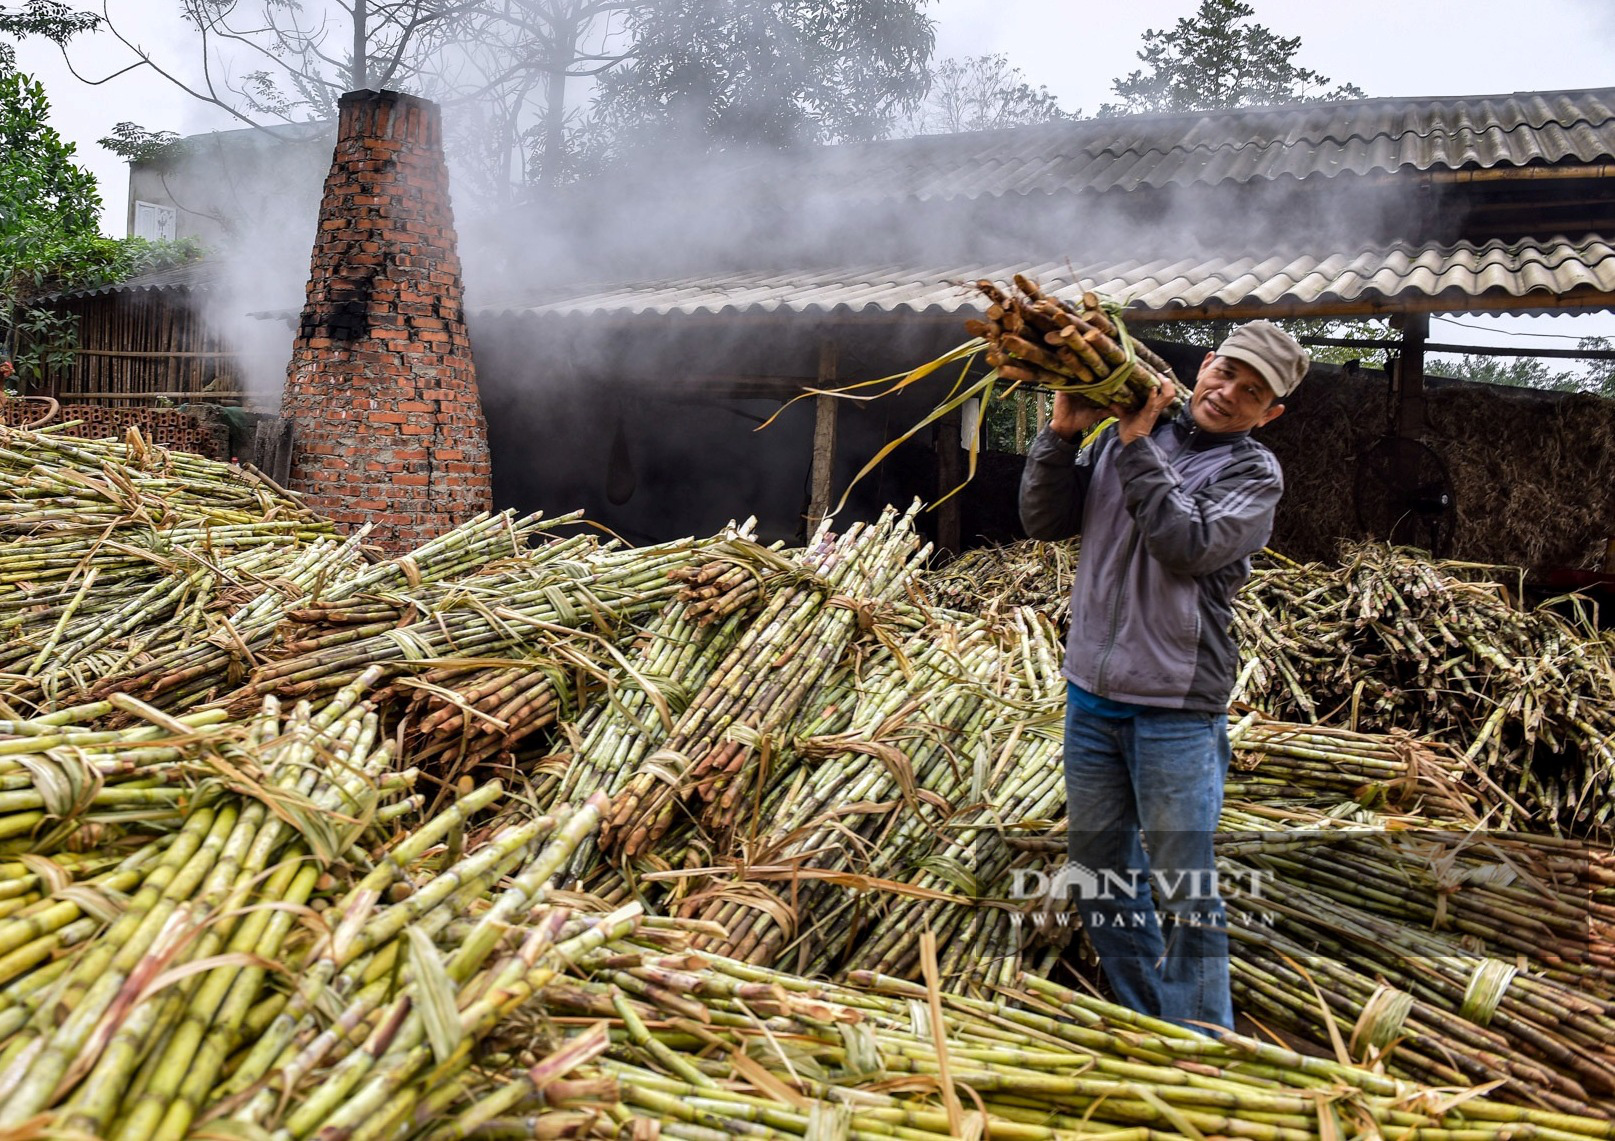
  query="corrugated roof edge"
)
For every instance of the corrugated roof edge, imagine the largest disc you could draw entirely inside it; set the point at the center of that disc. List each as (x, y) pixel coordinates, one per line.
(1099, 155)
(1270, 110)
(1168, 288)
(196, 276)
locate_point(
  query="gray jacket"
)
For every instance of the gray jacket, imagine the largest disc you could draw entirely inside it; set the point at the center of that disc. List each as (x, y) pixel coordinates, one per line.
(1168, 527)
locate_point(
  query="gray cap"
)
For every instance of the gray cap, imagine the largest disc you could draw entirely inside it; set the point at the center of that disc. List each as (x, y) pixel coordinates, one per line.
(1270, 351)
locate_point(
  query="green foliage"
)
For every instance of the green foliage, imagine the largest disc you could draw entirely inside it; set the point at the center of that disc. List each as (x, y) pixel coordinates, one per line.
(1515, 372)
(49, 212)
(998, 427)
(48, 206)
(1598, 376)
(45, 197)
(981, 93)
(55, 21)
(1352, 328)
(1595, 377)
(133, 143)
(50, 239)
(1219, 58)
(718, 73)
(40, 337)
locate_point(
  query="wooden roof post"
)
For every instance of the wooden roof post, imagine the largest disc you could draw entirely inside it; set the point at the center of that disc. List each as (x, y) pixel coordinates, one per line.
(950, 470)
(824, 439)
(1407, 406)
(1407, 386)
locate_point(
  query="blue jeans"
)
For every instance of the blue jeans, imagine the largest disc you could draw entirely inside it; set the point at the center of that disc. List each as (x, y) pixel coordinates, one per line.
(1153, 780)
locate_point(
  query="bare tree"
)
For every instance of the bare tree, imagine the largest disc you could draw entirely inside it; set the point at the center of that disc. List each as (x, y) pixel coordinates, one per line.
(981, 93)
(510, 66)
(709, 74)
(501, 67)
(275, 61)
(507, 71)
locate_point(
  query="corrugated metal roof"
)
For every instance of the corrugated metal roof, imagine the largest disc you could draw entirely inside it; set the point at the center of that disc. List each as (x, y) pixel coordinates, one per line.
(1361, 136)
(196, 275)
(1557, 273)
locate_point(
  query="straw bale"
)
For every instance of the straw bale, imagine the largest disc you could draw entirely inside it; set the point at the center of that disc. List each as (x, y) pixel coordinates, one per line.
(1532, 472)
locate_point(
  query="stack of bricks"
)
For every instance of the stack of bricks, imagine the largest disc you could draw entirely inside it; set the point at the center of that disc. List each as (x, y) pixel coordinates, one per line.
(387, 423)
(165, 427)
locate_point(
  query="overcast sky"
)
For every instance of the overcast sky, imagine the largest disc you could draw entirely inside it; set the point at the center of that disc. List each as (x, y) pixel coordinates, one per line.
(1386, 47)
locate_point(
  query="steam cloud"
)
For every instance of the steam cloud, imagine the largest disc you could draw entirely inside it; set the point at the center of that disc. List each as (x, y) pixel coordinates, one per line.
(565, 385)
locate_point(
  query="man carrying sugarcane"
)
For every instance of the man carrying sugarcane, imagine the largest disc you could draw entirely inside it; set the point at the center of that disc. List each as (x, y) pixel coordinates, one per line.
(1170, 512)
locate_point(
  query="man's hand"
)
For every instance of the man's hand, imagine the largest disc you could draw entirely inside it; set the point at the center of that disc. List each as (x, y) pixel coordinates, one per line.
(1071, 418)
(1132, 426)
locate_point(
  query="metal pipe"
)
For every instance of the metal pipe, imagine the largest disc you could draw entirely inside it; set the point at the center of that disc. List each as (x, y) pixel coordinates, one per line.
(1471, 350)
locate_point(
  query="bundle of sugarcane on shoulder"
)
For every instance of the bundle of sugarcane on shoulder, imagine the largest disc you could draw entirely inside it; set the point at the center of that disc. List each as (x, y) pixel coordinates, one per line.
(1081, 349)
(1030, 338)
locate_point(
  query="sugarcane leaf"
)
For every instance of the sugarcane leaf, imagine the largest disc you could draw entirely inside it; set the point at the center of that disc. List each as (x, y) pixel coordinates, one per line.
(225, 1129)
(435, 995)
(43, 1127)
(766, 1083)
(955, 873)
(452, 698)
(1342, 1055)
(1170, 1113)
(198, 966)
(50, 873)
(930, 418)
(586, 1046)
(100, 903)
(1093, 433)
(939, 1031)
(828, 1121)
(861, 1050)
(55, 782)
(897, 380)
(985, 391)
(1438, 1101)
(1328, 1123)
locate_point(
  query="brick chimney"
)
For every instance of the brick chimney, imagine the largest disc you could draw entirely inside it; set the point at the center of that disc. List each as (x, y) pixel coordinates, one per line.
(388, 426)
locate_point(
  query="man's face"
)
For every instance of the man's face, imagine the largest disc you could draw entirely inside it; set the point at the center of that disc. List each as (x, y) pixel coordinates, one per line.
(1231, 396)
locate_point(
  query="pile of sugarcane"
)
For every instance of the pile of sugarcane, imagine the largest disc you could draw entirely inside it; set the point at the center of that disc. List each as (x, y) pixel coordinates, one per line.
(129, 568)
(1390, 639)
(798, 756)
(1393, 641)
(1456, 957)
(287, 945)
(1443, 954)
(708, 766)
(1082, 349)
(711, 1048)
(117, 551)
(880, 820)
(293, 950)
(482, 664)
(1026, 573)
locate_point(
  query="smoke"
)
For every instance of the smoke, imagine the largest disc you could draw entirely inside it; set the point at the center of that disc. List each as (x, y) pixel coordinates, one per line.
(928, 203)
(906, 203)
(252, 197)
(945, 208)
(648, 424)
